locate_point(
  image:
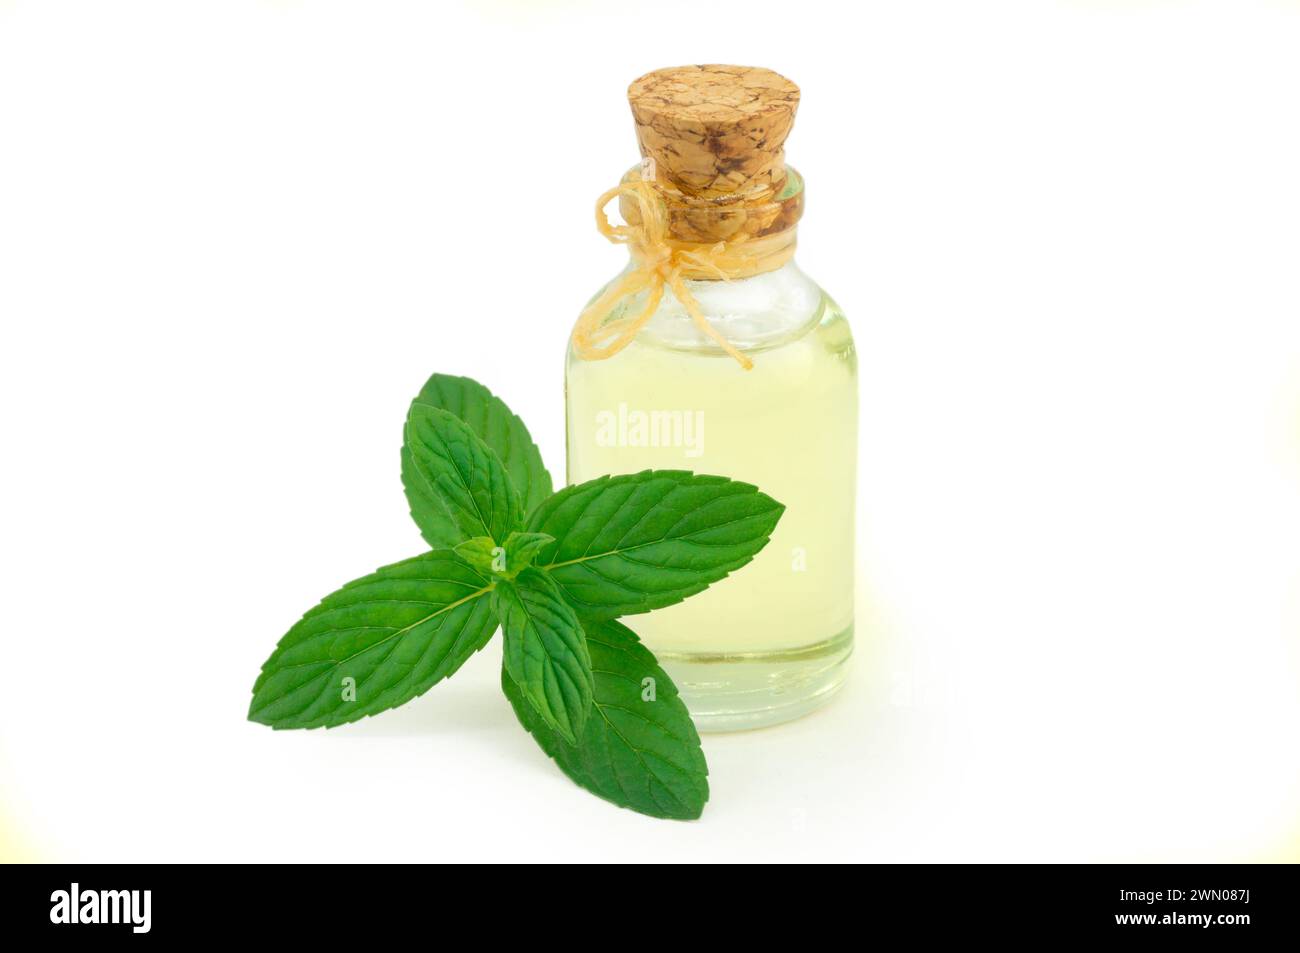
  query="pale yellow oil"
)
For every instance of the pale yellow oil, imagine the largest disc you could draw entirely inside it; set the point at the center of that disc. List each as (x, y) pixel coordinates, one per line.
(769, 642)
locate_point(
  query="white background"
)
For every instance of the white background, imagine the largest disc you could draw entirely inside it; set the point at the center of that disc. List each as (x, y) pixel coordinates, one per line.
(235, 237)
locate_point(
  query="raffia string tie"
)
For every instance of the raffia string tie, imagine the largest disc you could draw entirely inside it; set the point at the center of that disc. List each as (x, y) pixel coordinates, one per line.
(664, 262)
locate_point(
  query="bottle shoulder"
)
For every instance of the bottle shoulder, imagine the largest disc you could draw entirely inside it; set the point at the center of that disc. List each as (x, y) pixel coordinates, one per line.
(754, 314)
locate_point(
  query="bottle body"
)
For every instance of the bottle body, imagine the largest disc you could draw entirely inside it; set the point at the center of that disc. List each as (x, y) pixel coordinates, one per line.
(770, 642)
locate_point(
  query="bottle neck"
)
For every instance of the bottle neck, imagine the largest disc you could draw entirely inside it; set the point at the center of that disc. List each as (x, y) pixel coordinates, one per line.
(738, 259)
(733, 219)
(677, 240)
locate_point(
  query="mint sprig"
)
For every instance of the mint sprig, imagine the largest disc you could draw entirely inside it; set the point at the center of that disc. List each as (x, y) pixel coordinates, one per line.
(554, 571)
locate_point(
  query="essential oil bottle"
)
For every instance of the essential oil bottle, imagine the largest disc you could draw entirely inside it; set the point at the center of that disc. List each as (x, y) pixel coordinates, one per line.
(713, 352)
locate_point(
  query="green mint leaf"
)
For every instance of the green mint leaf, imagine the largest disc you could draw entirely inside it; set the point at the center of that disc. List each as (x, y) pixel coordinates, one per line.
(489, 418)
(483, 553)
(640, 748)
(505, 560)
(628, 544)
(376, 643)
(545, 651)
(522, 549)
(456, 485)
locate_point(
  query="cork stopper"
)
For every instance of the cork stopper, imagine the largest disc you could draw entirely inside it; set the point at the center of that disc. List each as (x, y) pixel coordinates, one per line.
(715, 132)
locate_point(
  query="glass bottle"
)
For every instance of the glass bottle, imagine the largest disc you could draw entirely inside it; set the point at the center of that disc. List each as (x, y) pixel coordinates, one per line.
(771, 642)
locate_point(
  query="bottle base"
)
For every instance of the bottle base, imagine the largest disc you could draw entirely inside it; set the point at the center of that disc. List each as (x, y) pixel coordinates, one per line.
(727, 692)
